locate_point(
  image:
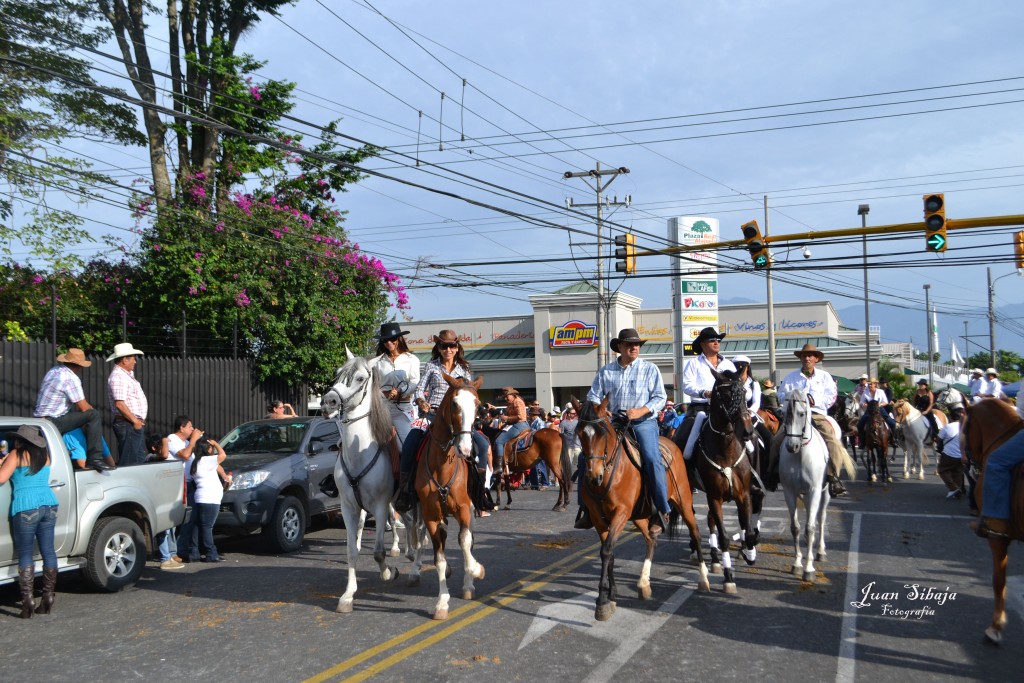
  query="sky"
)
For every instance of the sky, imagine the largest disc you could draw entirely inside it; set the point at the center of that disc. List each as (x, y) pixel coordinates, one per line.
(821, 106)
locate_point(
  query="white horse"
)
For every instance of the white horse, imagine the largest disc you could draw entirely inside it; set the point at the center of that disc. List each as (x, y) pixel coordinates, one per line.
(803, 459)
(950, 399)
(915, 436)
(363, 472)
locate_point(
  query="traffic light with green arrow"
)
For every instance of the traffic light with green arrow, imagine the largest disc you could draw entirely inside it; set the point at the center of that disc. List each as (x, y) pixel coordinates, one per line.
(935, 222)
(756, 246)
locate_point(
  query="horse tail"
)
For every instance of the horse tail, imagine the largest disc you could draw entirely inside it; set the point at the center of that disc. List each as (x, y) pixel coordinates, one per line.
(849, 465)
(673, 523)
(563, 459)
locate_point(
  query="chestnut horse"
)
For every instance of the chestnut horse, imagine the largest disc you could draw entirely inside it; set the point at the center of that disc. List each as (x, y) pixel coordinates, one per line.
(876, 445)
(612, 489)
(989, 424)
(547, 445)
(442, 483)
(725, 470)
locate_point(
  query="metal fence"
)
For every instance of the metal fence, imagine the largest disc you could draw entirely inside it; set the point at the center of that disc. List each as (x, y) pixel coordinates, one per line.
(217, 393)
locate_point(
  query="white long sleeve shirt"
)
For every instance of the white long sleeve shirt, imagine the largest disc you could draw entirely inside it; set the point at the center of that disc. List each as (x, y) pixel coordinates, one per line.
(876, 395)
(990, 386)
(697, 378)
(402, 374)
(753, 394)
(820, 386)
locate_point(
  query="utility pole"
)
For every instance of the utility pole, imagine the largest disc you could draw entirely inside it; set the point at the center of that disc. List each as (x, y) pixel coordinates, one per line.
(928, 327)
(771, 306)
(991, 319)
(862, 211)
(599, 188)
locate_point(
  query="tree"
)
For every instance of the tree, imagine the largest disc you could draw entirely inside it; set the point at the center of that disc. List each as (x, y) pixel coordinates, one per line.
(901, 388)
(924, 356)
(47, 96)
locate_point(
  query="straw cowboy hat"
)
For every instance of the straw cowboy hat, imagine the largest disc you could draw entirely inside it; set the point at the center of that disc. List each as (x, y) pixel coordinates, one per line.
(30, 434)
(768, 384)
(446, 337)
(873, 380)
(991, 371)
(977, 371)
(505, 391)
(75, 357)
(707, 334)
(812, 350)
(122, 350)
(390, 331)
(628, 335)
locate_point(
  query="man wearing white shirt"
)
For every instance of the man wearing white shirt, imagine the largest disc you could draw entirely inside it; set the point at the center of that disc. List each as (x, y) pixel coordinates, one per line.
(874, 394)
(951, 465)
(698, 381)
(974, 384)
(990, 386)
(822, 393)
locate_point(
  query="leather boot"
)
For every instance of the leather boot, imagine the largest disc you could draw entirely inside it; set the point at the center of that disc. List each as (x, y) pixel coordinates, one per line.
(583, 520)
(991, 526)
(404, 501)
(27, 583)
(835, 487)
(49, 585)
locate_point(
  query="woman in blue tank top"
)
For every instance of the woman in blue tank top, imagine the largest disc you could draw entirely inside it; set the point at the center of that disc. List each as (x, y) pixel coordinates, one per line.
(33, 514)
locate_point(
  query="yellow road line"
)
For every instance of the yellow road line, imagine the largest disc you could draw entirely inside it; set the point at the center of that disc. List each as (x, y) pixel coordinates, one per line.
(551, 571)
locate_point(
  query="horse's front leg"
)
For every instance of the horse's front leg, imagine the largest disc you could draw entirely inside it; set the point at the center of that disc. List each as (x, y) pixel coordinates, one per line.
(606, 587)
(792, 500)
(381, 513)
(643, 585)
(353, 531)
(999, 547)
(472, 568)
(395, 551)
(716, 554)
(812, 501)
(438, 531)
(824, 498)
(747, 522)
(359, 529)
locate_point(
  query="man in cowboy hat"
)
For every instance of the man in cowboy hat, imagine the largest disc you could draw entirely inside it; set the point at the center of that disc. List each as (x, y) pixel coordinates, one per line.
(60, 391)
(822, 393)
(698, 381)
(770, 399)
(128, 404)
(634, 386)
(515, 417)
(990, 386)
(975, 384)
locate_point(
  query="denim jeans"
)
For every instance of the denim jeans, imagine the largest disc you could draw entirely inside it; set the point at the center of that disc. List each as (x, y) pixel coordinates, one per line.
(31, 526)
(207, 517)
(188, 547)
(995, 495)
(167, 544)
(506, 436)
(91, 423)
(131, 443)
(646, 432)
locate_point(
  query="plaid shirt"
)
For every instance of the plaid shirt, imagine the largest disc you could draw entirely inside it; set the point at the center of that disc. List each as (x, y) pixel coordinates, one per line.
(61, 389)
(432, 387)
(122, 386)
(634, 386)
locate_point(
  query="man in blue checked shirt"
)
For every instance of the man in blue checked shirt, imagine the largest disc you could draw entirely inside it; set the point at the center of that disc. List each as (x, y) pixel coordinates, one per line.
(634, 387)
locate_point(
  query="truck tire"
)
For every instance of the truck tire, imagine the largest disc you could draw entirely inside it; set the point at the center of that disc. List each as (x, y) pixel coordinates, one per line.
(287, 526)
(116, 554)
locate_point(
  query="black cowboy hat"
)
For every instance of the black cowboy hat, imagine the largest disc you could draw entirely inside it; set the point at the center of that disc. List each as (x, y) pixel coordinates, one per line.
(391, 331)
(708, 334)
(628, 335)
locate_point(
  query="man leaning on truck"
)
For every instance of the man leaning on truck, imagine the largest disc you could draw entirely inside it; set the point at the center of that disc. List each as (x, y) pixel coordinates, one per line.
(60, 392)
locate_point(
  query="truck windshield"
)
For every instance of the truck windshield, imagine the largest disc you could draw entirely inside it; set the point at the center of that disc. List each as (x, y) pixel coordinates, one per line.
(264, 437)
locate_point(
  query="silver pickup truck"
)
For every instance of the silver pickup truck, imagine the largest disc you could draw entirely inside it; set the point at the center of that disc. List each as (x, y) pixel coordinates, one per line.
(105, 521)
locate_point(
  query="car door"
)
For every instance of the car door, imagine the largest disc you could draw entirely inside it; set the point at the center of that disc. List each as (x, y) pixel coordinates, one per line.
(321, 456)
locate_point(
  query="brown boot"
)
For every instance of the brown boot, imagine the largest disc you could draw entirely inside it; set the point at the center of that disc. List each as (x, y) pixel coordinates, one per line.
(49, 585)
(404, 501)
(583, 520)
(991, 526)
(27, 583)
(835, 487)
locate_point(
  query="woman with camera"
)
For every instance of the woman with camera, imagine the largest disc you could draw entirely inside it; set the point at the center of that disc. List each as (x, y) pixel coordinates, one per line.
(210, 480)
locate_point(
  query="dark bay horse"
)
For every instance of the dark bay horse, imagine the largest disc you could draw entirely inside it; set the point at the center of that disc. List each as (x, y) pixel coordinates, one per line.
(989, 424)
(613, 491)
(548, 446)
(442, 483)
(876, 445)
(725, 470)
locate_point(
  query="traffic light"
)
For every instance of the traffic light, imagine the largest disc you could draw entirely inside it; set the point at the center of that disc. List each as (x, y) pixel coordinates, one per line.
(756, 246)
(1018, 247)
(935, 222)
(625, 249)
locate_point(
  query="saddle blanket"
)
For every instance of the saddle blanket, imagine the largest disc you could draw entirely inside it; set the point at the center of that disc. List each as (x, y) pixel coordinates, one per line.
(524, 440)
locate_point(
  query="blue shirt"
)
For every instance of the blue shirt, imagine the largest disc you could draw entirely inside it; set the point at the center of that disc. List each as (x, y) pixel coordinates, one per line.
(637, 385)
(31, 490)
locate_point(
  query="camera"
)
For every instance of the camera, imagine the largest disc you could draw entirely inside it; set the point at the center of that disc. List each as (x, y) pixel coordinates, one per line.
(807, 252)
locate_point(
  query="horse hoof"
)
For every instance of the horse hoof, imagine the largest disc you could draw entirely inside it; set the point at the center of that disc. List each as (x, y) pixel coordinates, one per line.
(808, 577)
(481, 574)
(394, 574)
(797, 570)
(993, 635)
(716, 567)
(344, 607)
(821, 557)
(440, 614)
(604, 612)
(413, 581)
(920, 475)
(561, 509)
(888, 480)
(507, 507)
(467, 595)
(729, 588)
(704, 586)
(873, 479)
(395, 553)
(643, 592)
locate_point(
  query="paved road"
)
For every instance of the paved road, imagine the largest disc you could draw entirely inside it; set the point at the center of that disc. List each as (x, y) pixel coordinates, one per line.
(270, 617)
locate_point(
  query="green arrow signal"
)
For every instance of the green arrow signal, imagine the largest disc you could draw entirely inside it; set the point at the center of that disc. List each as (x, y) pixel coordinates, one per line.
(761, 261)
(936, 242)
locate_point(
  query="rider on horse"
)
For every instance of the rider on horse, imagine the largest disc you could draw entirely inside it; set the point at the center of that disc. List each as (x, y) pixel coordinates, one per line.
(924, 401)
(753, 395)
(697, 384)
(875, 394)
(514, 417)
(770, 399)
(634, 387)
(995, 502)
(822, 392)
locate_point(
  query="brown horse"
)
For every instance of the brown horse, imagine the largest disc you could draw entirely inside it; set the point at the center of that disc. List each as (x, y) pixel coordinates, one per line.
(876, 445)
(547, 445)
(613, 491)
(442, 483)
(989, 424)
(769, 419)
(725, 470)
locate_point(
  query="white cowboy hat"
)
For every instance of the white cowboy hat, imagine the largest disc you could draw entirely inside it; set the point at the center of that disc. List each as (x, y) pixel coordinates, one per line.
(124, 349)
(725, 366)
(991, 371)
(863, 375)
(741, 359)
(977, 371)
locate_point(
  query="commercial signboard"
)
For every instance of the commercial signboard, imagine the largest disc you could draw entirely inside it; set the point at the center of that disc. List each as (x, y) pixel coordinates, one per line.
(698, 290)
(574, 334)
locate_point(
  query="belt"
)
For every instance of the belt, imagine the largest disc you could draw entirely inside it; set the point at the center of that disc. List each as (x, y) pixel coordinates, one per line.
(121, 418)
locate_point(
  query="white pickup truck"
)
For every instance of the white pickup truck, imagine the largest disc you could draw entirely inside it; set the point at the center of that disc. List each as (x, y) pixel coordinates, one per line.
(106, 522)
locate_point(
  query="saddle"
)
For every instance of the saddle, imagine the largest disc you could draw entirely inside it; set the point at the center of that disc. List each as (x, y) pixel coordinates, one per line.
(644, 506)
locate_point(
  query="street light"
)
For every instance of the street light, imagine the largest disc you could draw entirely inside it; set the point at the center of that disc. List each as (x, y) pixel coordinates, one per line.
(992, 314)
(862, 211)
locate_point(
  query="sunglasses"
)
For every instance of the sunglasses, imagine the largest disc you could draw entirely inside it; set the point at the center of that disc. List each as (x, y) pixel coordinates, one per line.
(448, 345)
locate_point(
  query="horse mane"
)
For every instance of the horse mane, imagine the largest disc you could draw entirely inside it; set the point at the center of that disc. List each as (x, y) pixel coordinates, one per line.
(588, 414)
(380, 415)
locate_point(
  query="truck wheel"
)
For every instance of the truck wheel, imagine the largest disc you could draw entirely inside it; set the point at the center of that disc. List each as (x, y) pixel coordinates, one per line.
(288, 525)
(116, 554)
